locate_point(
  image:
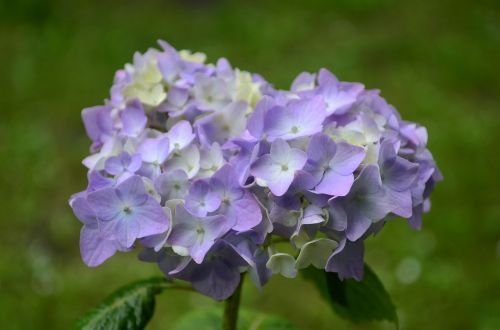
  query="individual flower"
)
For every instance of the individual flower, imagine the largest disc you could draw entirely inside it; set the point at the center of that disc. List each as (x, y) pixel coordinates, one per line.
(126, 212)
(236, 202)
(364, 205)
(123, 166)
(154, 152)
(194, 235)
(277, 169)
(332, 165)
(299, 118)
(202, 199)
(172, 184)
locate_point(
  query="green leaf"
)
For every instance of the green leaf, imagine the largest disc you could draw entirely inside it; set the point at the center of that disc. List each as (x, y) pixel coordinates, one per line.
(211, 319)
(130, 307)
(366, 300)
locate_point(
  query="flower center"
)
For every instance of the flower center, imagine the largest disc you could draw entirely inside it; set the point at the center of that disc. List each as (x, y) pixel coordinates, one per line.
(127, 210)
(295, 129)
(284, 167)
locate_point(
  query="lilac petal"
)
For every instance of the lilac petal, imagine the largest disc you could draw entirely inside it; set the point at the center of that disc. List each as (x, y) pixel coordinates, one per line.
(304, 81)
(347, 158)
(216, 279)
(335, 184)
(93, 248)
(177, 96)
(357, 225)
(301, 118)
(114, 165)
(309, 113)
(321, 149)
(155, 150)
(280, 185)
(400, 202)
(152, 218)
(98, 122)
(98, 181)
(260, 274)
(338, 217)
(347, 260)
(246, 211)
(202, 199)
(135, 163)
(172, 185)
(325, 76)
(83, 211)
(131, 192)
(181, 134)
(105, 203)
(265, 168)
(256, 122)
(124, 230)
(280, 151)
(133, 119)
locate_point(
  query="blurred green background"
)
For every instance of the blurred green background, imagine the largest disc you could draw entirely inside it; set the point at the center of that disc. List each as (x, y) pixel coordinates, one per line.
(436, 61)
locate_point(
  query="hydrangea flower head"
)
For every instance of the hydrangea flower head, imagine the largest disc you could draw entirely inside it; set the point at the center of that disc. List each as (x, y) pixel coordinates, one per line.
(210, 169)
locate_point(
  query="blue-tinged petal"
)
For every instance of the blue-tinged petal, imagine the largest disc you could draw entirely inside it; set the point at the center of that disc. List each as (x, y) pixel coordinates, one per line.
(93, 248)
(347, 260)
(105, 203)
(180, 135)
(83, 211)
(131, 192)
(133, 119)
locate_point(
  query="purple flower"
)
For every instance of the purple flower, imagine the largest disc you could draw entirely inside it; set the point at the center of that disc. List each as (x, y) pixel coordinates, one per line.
(172, 185)
(398, 176)
(237, 203)
(332, 164)
(206, 165)
(126, 212)
(299, 118)
(218, 276)
(202, 199)
(278, 168)
(154, 152)
(194, 236)
(338, 96)
(364, 205)
(123, 166)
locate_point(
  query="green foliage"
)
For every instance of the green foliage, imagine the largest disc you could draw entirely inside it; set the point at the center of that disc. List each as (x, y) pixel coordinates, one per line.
(366, 300)
(130, 307)
(211, 319)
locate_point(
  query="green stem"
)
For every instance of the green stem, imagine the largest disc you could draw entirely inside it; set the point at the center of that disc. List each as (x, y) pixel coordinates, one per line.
(231, 307)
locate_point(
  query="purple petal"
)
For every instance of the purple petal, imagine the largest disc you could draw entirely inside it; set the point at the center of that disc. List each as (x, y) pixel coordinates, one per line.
(105, 203)
(83, 211)
(133, 119)
(347, 158)
(347, 260)
(335, 184)
(93, 248)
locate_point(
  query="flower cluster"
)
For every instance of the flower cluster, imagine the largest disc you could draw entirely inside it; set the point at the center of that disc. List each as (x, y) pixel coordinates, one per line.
(211, 170)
